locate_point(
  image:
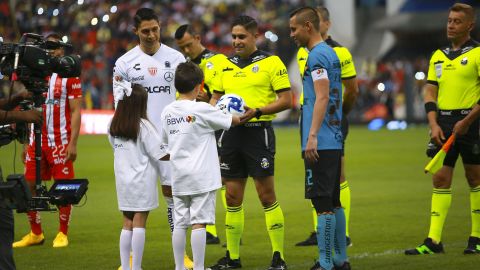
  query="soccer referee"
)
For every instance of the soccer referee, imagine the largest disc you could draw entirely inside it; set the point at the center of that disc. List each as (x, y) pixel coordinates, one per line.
(261, 79)
(452, 95)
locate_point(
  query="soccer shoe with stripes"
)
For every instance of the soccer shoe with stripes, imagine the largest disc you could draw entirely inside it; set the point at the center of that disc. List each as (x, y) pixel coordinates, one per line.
(187, 263)
(428, 247)
(30, 239)
(61, 240)
(473, 246)
(277, 262)
(212, 240)
(226, 263)
(310, 241)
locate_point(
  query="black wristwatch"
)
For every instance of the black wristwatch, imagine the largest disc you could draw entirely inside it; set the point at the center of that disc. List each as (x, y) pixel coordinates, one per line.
(258, 113)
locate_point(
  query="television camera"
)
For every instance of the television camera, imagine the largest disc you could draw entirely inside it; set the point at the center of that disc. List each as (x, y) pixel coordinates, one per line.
(29, 61)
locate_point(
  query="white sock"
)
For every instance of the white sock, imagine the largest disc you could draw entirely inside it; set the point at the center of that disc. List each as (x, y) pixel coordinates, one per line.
(179, 236)
(138, 243)
(170, 216)
(198, 243)
(125, 247)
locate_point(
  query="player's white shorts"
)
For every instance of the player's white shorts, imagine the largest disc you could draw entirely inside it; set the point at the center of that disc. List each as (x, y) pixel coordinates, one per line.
(194, 209)
(164, 170)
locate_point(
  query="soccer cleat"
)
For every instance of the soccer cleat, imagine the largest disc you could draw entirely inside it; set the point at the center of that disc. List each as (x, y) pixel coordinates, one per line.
(473, 246)
(187, 263)
(316, 266)
(310, 241)
(428, 247)
(212, 240)
(277, 262)
(61, 240)
(30, 239)
(226, 263)
(349, 242)
(345, 266)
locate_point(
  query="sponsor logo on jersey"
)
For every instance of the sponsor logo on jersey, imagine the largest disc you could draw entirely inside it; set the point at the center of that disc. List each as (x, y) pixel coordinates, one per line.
(476, 211)
(168, 76)
(167, 64)
(137, 66)
(434, 214)
(227, 69)
(240, 74)
(52, 101)
(139, 78)
(158, 89)
(76, 86)
(464, 61)
(255, 68)
(65, 170)
(466, 49)
(174, 131)
(282, 72)
(438, 69)
(346, 62)
(264, 163)
(152, 71)
(235, 59)
(224, 166)
(178, 120)
(60, 160)
(118, 145)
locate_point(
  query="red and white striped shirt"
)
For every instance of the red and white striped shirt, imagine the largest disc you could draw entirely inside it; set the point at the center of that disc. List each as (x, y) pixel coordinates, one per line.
(56, 110)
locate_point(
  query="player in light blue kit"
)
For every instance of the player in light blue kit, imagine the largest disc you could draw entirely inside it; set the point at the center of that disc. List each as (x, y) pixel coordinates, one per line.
(322, 137)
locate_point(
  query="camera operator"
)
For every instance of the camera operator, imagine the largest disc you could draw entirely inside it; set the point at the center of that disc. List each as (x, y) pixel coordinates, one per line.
(6, 215)
(60, 130)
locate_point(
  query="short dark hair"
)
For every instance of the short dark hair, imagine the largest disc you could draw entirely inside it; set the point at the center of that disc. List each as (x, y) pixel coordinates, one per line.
(186, 28)
(130, 110)
(54, 35)
(324, 13)
(307, 14)
(144, 14)
(465, 8)
(187, 76)
(247, 22)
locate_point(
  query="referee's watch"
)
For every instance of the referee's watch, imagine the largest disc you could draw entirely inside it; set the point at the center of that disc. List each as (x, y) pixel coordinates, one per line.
(258, 113)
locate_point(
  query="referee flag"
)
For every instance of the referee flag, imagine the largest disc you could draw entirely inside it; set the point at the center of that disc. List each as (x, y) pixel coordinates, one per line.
(437, 161)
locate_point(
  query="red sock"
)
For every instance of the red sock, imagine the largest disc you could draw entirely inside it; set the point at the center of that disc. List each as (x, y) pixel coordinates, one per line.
(64, 218)
(35, 222)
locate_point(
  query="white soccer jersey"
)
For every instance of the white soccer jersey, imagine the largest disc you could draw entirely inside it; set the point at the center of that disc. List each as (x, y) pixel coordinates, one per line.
(134, 166)
(156, 73)
(188, 129)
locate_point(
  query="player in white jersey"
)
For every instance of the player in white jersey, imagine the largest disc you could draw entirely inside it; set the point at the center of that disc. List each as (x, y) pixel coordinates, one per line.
(60, 131)
(189, 130)
(152, 65)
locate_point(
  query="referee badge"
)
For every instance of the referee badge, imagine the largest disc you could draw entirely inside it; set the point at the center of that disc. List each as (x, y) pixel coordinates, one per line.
(255, 68)
(264, 163)
(464, 61)
(438, 70)
(209, 65)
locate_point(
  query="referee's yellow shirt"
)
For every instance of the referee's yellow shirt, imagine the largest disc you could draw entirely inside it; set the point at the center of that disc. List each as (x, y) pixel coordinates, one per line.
(210, 63)
(256, 79)
(457, 75)
(343, 54)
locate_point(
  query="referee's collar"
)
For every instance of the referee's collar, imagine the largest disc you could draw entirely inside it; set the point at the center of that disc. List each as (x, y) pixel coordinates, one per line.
(254, 57)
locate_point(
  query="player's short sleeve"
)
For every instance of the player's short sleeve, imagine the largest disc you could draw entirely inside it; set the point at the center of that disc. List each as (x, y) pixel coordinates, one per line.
(151, 141)
(432, 73)
(74, 88)
(120, 70)
(477, 61)
(217, 81)
(316, 61)
(215, 70)
(302, 56)
(278, 75)
(346, 62)
(213, 117)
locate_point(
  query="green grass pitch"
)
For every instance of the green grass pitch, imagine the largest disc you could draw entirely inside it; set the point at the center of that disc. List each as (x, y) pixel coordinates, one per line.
(390, 210)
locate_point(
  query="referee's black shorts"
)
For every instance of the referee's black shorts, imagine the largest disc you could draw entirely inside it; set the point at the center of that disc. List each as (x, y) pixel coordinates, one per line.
(467, 146)
(247, 150)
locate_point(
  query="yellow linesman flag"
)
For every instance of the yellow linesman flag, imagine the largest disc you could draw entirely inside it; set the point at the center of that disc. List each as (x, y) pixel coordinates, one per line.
(437, 161)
